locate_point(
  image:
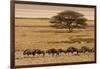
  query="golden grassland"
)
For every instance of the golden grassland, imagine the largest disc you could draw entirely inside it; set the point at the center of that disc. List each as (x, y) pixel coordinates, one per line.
(36, 34)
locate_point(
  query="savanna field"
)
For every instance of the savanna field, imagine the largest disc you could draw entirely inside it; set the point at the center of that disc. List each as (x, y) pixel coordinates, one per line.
(37, 34)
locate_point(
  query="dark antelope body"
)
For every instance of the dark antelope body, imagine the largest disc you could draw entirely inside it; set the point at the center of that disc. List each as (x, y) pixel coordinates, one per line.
(33, 52)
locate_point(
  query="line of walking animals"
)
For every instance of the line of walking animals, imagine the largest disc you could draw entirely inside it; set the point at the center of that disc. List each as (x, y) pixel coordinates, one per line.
(57, 52)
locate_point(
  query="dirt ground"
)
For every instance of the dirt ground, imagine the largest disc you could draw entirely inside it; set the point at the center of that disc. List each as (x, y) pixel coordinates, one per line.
(36, 34)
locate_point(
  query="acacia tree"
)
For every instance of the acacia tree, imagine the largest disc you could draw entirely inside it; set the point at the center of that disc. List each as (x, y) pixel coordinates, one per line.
(68, 20)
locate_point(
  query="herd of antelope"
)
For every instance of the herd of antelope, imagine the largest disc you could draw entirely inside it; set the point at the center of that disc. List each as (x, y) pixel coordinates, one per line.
(57, 52)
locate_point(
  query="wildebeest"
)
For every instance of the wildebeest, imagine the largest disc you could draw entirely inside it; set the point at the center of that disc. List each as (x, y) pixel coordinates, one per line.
(72, 50)
(92, 50)
(57, 52)
(33, 52)
(61, 51)
(38, 52)
(52, 51)
(27, 52)
(85, 49)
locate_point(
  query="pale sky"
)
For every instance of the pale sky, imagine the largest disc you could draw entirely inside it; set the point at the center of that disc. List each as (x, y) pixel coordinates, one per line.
(46, 11)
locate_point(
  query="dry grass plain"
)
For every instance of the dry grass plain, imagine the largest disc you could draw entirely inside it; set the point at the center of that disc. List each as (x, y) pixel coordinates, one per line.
(36, 34)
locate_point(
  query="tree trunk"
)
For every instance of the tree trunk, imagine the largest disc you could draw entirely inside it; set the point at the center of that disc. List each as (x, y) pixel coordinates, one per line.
(70, 29)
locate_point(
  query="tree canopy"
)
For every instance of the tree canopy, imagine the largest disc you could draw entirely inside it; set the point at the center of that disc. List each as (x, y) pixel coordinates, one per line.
(68, 20)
